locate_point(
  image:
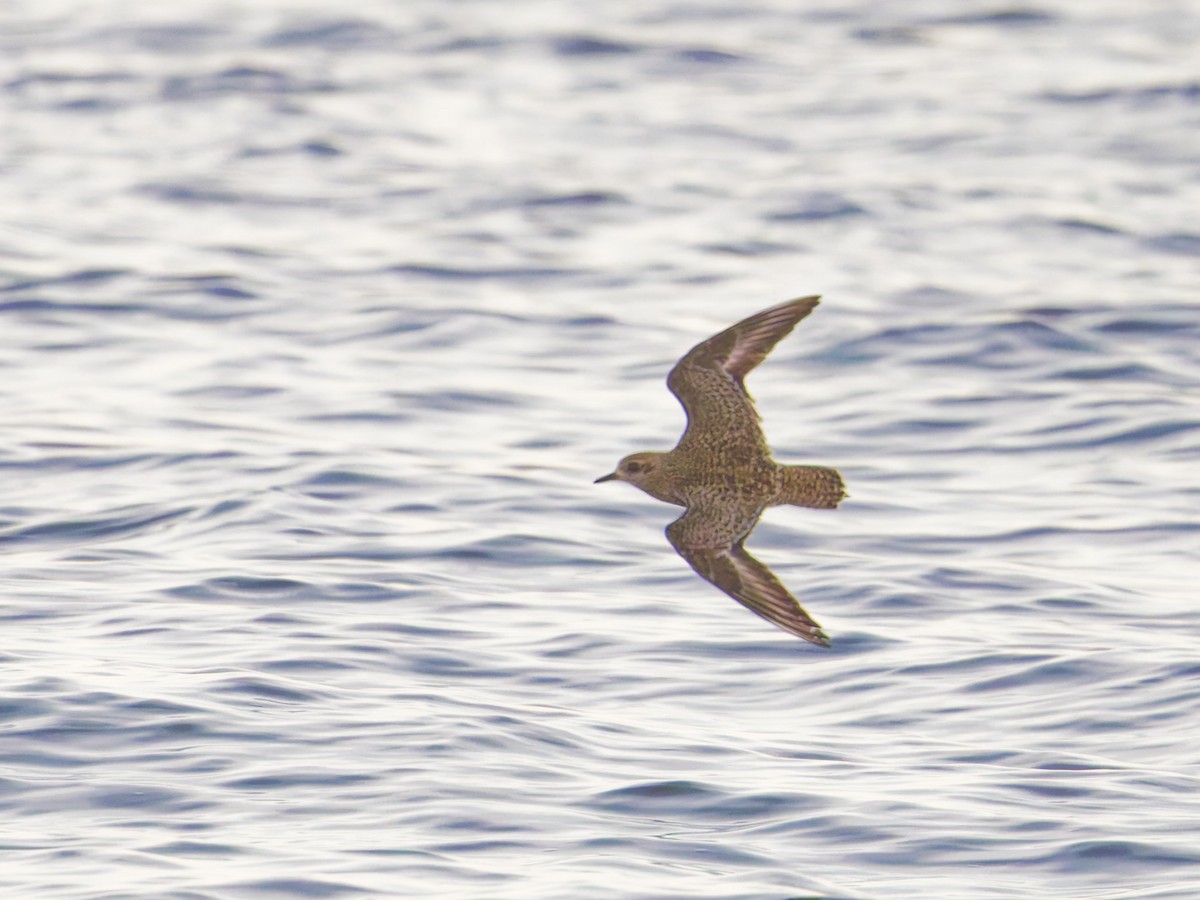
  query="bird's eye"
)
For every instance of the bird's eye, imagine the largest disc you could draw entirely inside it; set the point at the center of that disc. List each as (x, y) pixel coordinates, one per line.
(633, 467)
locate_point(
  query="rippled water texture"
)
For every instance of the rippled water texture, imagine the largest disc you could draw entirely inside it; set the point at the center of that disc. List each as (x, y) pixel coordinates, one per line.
(317, 323)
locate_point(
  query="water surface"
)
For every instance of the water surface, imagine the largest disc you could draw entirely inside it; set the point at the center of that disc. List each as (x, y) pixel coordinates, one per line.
(317, 323)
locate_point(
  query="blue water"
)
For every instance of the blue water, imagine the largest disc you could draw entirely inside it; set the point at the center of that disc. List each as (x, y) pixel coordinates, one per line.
(317, 322)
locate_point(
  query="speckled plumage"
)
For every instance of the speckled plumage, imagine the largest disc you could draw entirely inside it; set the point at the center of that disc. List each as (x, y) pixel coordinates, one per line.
(723, 472)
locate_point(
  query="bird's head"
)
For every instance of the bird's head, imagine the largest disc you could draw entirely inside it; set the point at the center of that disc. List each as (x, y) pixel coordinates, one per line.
(642, 470)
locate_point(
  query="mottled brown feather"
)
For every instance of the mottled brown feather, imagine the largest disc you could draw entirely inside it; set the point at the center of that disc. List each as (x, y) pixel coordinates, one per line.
(722, 470)
(729, 567)
(709, 381)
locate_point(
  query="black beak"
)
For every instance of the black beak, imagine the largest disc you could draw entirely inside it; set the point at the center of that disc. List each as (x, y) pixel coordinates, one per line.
(611, 476)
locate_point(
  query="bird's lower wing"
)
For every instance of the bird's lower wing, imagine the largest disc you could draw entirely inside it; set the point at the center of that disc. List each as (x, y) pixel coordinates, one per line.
(747, 581)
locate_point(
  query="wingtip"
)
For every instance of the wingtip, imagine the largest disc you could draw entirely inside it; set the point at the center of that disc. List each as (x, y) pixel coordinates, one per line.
(798, 308)
(812, 299)
(814, 634)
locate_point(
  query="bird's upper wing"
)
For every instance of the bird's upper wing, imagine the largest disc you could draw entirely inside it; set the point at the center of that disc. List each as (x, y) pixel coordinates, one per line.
(736, 572)
(710, 379)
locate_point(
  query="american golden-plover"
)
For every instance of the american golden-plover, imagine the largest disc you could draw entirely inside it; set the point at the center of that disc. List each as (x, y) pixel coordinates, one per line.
(722, 469)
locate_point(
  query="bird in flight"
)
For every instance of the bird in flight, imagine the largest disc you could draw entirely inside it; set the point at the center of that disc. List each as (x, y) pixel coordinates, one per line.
(722, 471)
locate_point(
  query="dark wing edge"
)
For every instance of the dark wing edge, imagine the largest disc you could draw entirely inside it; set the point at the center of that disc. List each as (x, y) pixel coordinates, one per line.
(741, 347)
(750, 340)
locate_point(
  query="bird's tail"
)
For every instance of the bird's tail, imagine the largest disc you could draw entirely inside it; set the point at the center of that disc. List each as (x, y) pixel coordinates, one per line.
(816, 487)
